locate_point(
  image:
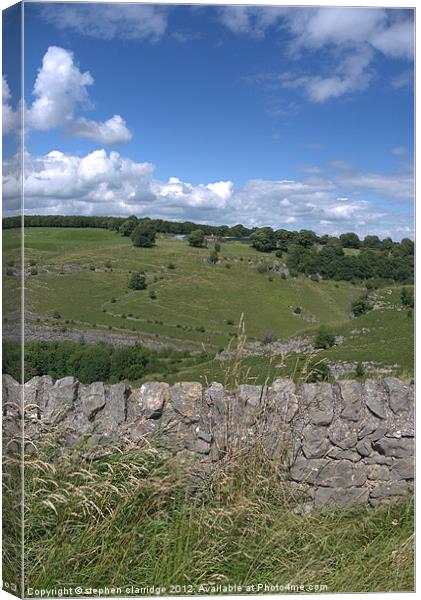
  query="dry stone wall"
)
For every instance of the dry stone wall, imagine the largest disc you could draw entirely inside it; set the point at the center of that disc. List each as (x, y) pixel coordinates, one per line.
(341, 444)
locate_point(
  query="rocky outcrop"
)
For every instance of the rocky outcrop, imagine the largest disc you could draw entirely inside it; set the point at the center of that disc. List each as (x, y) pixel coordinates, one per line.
(339, 445)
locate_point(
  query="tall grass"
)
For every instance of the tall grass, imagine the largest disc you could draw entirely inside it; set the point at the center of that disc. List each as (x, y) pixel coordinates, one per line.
(135, 518)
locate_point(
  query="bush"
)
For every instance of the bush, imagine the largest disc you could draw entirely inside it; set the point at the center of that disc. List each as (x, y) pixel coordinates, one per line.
(137, 281)
(213, 257)
(108, 264)
(361, 306)
(407, 297)
(324, 339)
(152, 295)
(143, 236)
(297, 310)
(171, 266)
(359, 371)
(92, 267)
(56, 315)
(33, 271)
(262, 268)
(268, 338)
(196, 239)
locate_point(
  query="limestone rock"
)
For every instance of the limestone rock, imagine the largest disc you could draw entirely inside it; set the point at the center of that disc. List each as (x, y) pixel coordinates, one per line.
(318, 401)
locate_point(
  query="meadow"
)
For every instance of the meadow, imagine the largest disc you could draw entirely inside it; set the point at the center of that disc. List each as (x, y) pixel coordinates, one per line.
(77, 279)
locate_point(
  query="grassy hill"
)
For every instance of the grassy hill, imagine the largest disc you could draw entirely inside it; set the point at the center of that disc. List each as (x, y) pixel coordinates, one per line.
(80, 281)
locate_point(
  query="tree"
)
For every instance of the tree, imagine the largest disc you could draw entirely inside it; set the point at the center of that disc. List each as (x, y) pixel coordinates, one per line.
(196, 238)
(350, 240)
(213, 257)
(137, 281)
(264, 239)
(143, 236)
(306, 238)
(361, 306)
(371, 241)
(127, 227)
(407, 297)
(324, 339)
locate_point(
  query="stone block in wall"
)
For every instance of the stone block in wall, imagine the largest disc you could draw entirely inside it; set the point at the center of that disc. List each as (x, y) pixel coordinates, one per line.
(403, 468)
(396, 447)
(279, 408)
(344, 498)
(342, 474)
(315, 441)
(318, 402)
(351, 393)
(401, 396)
(307, 470)
(389, 489)
(147, 401)
(375, 397)
(35, 396)
(378, 472)
(61, 399)
(186, 399)
(342, 434)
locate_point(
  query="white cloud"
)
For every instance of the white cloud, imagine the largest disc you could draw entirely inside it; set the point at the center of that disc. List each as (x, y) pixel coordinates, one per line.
(11, 118)
(111, 132)
(109, 21)
(399, 186)
(109, 184)
(349, 38)
(250, 20)
(399, 151)
(60, 90)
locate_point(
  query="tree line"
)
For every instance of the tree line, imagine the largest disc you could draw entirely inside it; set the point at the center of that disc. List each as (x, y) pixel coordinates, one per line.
(304, 251)
(90, 362)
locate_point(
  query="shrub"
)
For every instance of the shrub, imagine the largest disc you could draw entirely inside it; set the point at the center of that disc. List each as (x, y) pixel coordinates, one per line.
(297, 310)
(262, 268)
(113, 300)
(56, 315)
(171, 266)
(361, 306)
(324, 339)
(407, 297)
(359, 371)
(108, 264)
(268, 338)
(152, 295)
(92, 267)
(230, 322)
(137, 281)
(197, 238)
(213, 257)
(33, 271)
(143, 236)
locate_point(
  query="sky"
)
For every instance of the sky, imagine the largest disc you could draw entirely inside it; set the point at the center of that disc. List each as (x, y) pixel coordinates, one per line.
(266, 116)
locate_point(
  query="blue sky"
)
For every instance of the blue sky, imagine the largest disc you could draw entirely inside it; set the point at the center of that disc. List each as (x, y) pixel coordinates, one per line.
(285, 117)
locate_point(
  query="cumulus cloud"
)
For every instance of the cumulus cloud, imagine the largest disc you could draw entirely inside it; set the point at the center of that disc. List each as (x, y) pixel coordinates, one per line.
(349, 36)
(11, 118)
(109, 21)
(111, 132)
(60, 90)
(104, 183)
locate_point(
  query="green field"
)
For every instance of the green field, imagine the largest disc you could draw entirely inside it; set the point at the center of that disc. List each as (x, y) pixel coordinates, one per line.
(82, 279)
